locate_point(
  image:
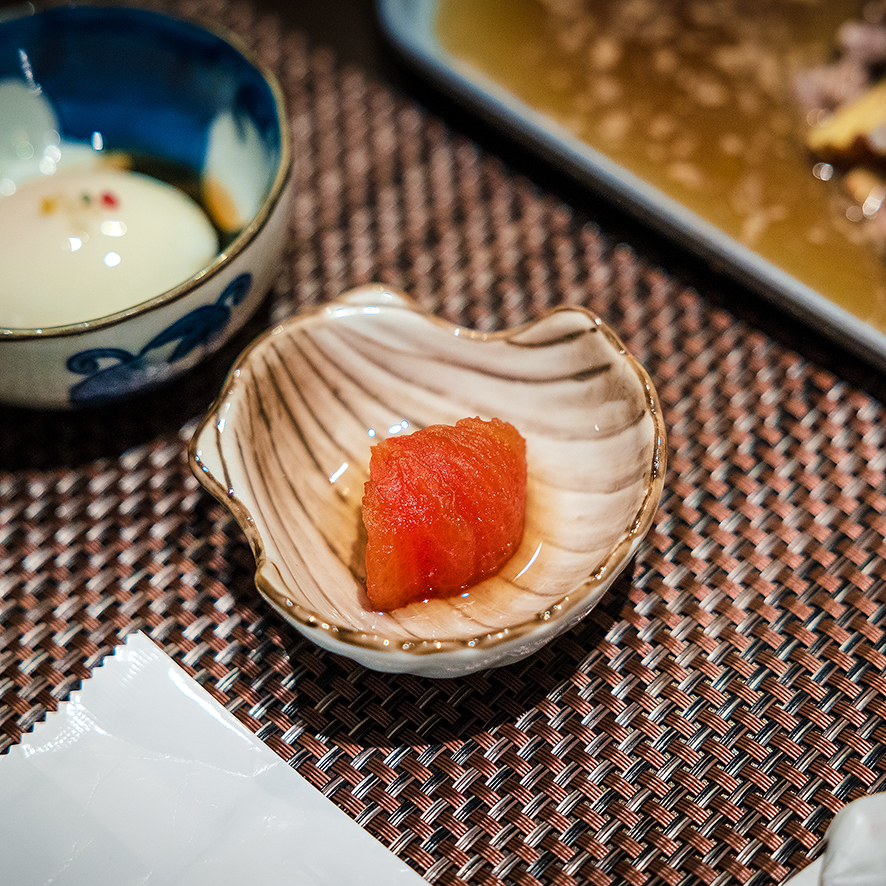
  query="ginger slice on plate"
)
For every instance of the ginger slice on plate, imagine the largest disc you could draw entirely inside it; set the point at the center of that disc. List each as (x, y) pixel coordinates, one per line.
(855, 132)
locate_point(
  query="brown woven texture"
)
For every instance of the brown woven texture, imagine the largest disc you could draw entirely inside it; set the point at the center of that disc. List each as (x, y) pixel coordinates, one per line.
(702, 726)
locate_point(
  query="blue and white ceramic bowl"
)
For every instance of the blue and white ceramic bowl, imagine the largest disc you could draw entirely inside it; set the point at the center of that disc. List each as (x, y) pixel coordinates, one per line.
(95, 101)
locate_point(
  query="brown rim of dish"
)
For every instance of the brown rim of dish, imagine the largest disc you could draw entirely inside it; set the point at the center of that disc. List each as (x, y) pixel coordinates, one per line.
(551, 615)
(224, 258)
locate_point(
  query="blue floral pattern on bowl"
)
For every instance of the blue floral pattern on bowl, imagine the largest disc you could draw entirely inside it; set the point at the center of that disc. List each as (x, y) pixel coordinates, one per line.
(132, 372)
(169, 94)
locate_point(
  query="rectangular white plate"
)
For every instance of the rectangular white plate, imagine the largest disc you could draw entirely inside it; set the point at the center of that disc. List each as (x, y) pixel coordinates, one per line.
(409, 24)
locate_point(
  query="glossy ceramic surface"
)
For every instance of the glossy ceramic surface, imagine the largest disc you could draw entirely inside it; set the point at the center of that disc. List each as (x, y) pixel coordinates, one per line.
(411, 27)
(287, 446)
(143, 779)
(136, 83)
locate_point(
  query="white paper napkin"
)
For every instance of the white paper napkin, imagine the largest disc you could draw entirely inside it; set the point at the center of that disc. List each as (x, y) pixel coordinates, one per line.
(856, 848)
(143, 779)
(856, 853)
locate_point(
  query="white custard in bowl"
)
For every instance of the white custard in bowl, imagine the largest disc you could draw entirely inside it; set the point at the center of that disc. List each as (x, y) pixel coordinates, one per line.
(86, 242)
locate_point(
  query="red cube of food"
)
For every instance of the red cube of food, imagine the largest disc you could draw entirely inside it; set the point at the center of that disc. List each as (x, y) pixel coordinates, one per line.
(444, 508)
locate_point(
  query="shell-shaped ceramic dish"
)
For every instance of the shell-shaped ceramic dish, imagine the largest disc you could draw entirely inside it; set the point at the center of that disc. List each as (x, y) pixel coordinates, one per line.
(287, 445)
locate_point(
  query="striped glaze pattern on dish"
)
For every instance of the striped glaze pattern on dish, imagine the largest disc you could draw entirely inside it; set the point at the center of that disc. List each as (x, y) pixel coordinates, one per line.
(286, 447)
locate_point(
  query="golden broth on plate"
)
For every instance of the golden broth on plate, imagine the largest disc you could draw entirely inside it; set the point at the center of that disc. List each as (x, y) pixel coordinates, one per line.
(696, 98)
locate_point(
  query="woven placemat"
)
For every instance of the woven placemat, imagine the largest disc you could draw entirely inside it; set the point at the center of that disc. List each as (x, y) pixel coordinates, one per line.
(701, 727)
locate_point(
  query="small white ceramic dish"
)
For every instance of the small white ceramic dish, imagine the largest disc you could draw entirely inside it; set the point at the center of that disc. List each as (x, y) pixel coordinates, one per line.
(143, 779)
(286, 447)
(110, 288)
